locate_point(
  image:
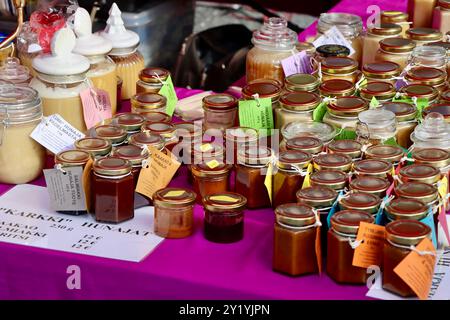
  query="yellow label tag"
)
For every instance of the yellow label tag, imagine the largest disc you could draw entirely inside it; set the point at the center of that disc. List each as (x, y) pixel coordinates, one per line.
(213, 164)
(86, 179)
(393, 171)
(224, 199)
(306, 181)
(205, 147)
(443, 187)
(175, 193)
(268, 181)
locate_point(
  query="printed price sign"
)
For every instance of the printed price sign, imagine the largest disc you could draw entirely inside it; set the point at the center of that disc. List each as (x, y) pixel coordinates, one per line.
(369, 252)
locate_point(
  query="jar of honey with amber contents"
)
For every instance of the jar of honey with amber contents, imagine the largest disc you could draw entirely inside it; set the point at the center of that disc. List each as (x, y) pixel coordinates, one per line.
(335, 88)
(384, 152)
(295, 236)
(96, 147)
(301, 82)
(334, 179)
(220, 111)
(420, 173)
(396, 50)
(155, 116)
(425, 192)
(296, 106)
(397, 17)
(366, 202)
(343, 68)
(210, 177)
(236, 139)
(144, 102)
(263, 88)
(382, 91)
(384, 71)
(406, 209)
(351, 148)
(343, 112)
(373, 168)
(422, 36)
(375, 34)
(332, 161)
(151, 80)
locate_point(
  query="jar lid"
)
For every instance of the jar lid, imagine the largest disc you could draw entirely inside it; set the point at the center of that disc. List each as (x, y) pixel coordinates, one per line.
(87, 43)
(390, 16)
(317, 196)
(161, 128)
(305, 46)
(369, 184)
(265, 89)
(188, 131)
(349, 25)
(304, 143)
(333, 50)
(148, 139)
(241, 134)
(112, 166)
(155, 116)
(204, 169)
(132, 153)
(115, 31)
(440, 44)
(174, 197)
(129, 121)
(274, 33)
(444, 4)
(347, 221)
(384, 152)
(219, 101)
(300, 101)
(14, 73)
(420, 91)
(445, 96)
(348, 106)
(332, 161)
(386, 29)
(19, 104)
(322, 131)
(329, 178)
(416, 190)
(424, 34)
(372, 167)
(148, 100)
(433, 129)
(439, 158)
(378, 89)
(295, 214)
(426, 75)
(72, 158)
(360, 201)
(397, 45)
(95, 146)
(224, 202)
(259, 156)
(301, 82)
(420, 172)
(290, 159)
(403, 208)
(403, 111)
(337, 87)
(443, 109)
(61, 61)
(339, 65)
(407, 232)
(349, 147)
(154, 75)
(110, 132)
(209, 150)
(381, 70)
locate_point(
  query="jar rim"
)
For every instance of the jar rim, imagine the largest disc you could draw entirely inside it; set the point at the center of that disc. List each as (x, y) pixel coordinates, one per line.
(407, 232)
(347, 221)
(224, 202)
(174, 197)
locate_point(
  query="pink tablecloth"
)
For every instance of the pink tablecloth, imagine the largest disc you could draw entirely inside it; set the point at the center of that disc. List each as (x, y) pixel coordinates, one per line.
(190, 268)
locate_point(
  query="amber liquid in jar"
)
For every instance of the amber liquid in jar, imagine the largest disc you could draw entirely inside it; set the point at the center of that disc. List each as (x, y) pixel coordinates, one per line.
(128, 68)
(210, 179)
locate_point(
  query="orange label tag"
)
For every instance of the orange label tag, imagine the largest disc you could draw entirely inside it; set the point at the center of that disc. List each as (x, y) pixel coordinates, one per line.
(158, 173)
(417, 270)
(318, 250)
(370, 250)
(86, 179)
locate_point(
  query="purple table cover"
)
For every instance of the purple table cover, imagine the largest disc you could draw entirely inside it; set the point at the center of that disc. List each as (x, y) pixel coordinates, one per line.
(190, 268)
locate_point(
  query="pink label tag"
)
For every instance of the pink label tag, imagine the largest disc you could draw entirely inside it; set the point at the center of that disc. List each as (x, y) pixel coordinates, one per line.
(96, 106)
(442, 218)
(297, 63)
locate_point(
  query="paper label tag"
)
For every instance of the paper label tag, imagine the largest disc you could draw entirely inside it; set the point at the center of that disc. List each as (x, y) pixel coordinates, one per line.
(168, 91)
(319, 112)
(96, 106)
(256, 113)
(443, 189)
(205, 147)
(318, 249)
(345, 134)
(421, 104)
(370, 251)
(306, 179)
(227, 199)
(417, 270)
(268, 181)
(334, 208)
(213, 164)
(374, 103)
(174, 194)
(56, 134)
(158, 173)
(442, 218)
(429, 221)
(297, 63)
(87, 184)
(65, 189)
(333, 36)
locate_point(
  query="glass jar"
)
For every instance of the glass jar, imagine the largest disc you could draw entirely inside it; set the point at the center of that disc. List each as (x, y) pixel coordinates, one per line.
(301, 82)
(207, 151)
(165, 130)
(374, 36)
(294, 249)
(210, 178)
(155, 116)
(422, 36)
(438, 158)
(351, 148)
(433, 132)
(332, 161)
(421, 12)
(251, 174)
(96, 147)
(188, 134)
(135, 155)
(429, 76)
(336, 88)
(114, 134)
(425, 192)
(372, 168)
(151, 80)
(264, 89)
(131, 122)
(384, 152)
(421, 173)
(146, 140)
(272, 43)
(381, 71)
(445, 97)
(224, 217)
(174, 213)
(113, 190)
(441, 16)
(396, 50)
(445, 46)
(344, 228)
(220, 111)
(236, 139)
(21, 158)
(382, 91)
(144, 102)
(322, 131)
(420, 91)
(367, 202)
(343, 68)
(296, 106)
(372, 185)
(400, 235)
(289, 177)
(11, 71)
(442, 109)
(397, 17)
(405, 114)
(343, 112)
(349, 25)
(331, 50)
(6, 52)
(376, 126)
(429, 56)
(336, 180)
(307, 144)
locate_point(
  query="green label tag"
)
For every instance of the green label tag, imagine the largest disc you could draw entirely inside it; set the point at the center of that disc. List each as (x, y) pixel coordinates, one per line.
(391, 142)
(256, 114)
(168, 91)
(320, 111)
(374, 103)
(422, 103)
(346, 135)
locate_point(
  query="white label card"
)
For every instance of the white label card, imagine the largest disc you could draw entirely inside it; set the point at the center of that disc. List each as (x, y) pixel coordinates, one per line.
(333, 36)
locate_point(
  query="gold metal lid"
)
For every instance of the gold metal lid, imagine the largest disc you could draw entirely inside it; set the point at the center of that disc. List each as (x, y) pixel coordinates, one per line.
(339, 65)
(424, 192)
(381, 70)
(403, 111)
(348, 106)
(129, 121)
(420, 172)
(397, 45)
(300, 101)
(372, 167)
(332, 50)
(204, 169)
(384, 152)
(333, 179)
(155, 116)
(317, 196)
(259, 156)
(95, 146)
(347, 221)
(241, 134)
(424, 34)
(219, 101)
(390, 16)
(295, 214)
(425, 75)
(438, 158)
(386, 29)
(148, 139)
(407, 232)
(378, 89)
(361, 201)
(112, 166)
(291, 159)
(308, 144)
(162, 128)
(112, 133)
(148, 101)
(337, 88)
(154, 75)
(225, 202)
(301, 82)
(351, 148)
(369, 184)
(443, 109)
(174, 197)
(72, 158)
(420, 91)
(265, 89)
(332, 161)
(132, 153)
(188, 131)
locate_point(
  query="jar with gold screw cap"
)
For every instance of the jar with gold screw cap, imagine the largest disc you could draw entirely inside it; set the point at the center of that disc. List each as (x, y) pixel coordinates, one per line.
(421, 91)
(336, 88)
(374, 36)
(151, 80)
(296, 106)
(384, 152)
(373, 168)
(334, 179)
(301, 82)
(96, 147)
(308, 144)
(428, 76)
(131, 122)
(165, 130)
(147, 139)
(384, 71)
(396, 50)
(397, 17)
(422, 36)
(114, 134)
(343, 68)
(143, 102)
(351, 148)
(382, 91)
(209, 178)
(343, 113)
(220, 111)
(372, 185)
(264, 88)
(420, 172)
(367, 202)
(333, 161)
(438, 158)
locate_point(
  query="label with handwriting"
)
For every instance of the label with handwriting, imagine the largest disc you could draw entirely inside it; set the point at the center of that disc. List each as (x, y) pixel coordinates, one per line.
(370, 251)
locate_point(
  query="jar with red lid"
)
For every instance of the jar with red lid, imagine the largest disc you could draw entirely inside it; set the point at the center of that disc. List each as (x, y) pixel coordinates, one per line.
(373, 168)
(438, 158)
(383, 71)
(336, 180)
(151, 79)
(397, 17)
(425, 192)
(400, 236)
(382, 91)
(351, 148)
(333, 161)
(364, 201)
(384, 152)
(264, 88)
(308, 144)
(208, 151)
(396, 50)
(113, 190)
(296, 106)
(96, 147)
(165, 130)
(131, 122)
(237, 139)
(113, 133)
(224, 217)
(428, 76)
(174, 212)
(155, 116)
(144, 102)
(445, 97)
(405, 114)
(220, 111)
(145, 140)
(188, 134)
(210, 177)
(376, 126)
(343, 68)
(406, 209)
(372, 185)
(294, 248)
(251, 172)
(300, 82)
(420, 173)
(343, 113)
(335, 88)
(422, 36)
(442, 109)
(289, 176)
(343, 231)
(373, 37)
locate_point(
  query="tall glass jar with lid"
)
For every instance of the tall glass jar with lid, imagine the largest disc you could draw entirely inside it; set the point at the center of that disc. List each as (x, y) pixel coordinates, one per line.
(422, 36)
(433, 132)
(61, 77)
(272, 43)
(374, 36)
(405, 115)
(12, 71)
(376, 126)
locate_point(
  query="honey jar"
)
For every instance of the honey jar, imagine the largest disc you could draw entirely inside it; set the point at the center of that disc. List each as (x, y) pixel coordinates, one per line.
(131, 122)
(382, 91)
(367, 202)
(210, 178)
(308, 144)
(144, 102)
(336, 180)
(384, 152)
(96, 147)
(342, 68)
(114, 134)
(296, 106)
(405, 114)
(351, 148)
(422, 36)
(428, 76)
(381, 71)
(333, 161)
(220, 112)
(373, 168)
(374, 36)
(301, 82)
(397, 17)
(151, 80)
(369, 184)
(396, 50)
(420, 173)
(335, 88)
